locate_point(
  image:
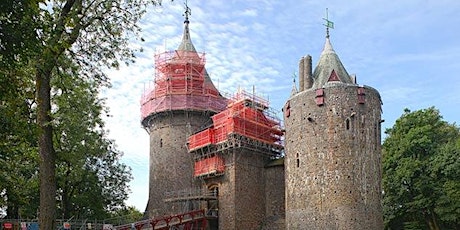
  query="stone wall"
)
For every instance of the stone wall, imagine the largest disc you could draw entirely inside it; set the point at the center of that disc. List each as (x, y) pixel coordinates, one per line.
(333, 159)
(171, 166)
(274, 195)
(249, 189)
(242, 192)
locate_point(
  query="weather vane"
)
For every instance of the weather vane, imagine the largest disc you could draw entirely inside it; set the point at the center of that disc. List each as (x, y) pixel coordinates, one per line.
(187, 12)
(329, 24)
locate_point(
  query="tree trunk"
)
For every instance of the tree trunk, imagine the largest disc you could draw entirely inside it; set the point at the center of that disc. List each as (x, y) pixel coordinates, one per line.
(12, 211)
(430, 219)
(47, 213)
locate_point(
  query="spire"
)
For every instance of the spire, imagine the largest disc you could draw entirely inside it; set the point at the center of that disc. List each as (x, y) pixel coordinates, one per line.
(329, 68)
(329, 24)
(294, 90)
(186, 43)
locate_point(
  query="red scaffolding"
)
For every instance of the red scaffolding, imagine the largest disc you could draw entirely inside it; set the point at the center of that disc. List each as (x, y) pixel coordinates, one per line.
(212, 165)
(246, 115)
(181, 83)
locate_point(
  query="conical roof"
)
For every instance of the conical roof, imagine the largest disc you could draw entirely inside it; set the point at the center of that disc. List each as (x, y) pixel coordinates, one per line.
(329, 68)
(187, 45)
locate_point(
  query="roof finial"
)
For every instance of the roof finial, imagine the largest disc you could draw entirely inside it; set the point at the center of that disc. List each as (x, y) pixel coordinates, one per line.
(329, 24)
(187, 12)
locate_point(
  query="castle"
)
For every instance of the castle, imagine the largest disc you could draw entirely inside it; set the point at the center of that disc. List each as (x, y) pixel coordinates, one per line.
(231, 158)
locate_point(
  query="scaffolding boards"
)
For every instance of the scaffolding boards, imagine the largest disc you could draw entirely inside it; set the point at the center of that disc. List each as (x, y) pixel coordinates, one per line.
(181, 83)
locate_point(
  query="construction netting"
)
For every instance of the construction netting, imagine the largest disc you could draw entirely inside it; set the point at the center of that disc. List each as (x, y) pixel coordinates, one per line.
(246, 115)
(181, 83)
(211, 165)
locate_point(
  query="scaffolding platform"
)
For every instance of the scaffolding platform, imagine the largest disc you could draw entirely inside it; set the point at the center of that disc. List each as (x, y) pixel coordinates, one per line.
(246, 123)
(187, 195)
(245, 115)
(181, 83)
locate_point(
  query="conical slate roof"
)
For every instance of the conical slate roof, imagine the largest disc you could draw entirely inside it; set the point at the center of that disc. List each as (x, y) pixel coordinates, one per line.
(186, 43)
(329, 68)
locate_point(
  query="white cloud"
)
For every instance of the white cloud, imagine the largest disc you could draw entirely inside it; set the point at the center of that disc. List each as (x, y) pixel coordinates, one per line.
(248, 13)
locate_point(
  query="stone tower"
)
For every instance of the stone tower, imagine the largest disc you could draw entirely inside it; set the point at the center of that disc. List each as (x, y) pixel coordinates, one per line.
(333, 150)
(181, 103)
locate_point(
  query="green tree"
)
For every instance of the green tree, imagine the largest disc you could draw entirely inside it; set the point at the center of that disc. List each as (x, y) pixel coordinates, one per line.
(92, 33)
(18, 139)
(420, 172)
(125, 215)
(18, 34)
(92, 183)
(38, 33)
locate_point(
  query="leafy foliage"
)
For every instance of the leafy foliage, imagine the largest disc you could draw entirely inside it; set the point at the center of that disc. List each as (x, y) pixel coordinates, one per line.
(18, 139)
(92, 34)
(92, 183)
(91, 180)
(52, 56)
(421, 172)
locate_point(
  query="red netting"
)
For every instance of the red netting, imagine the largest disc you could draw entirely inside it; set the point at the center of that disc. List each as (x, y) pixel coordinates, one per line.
(201, 139)
(212, 165)
(245, 115)
(181, 83)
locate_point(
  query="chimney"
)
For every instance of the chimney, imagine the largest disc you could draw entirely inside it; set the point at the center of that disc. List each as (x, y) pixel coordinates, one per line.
(308, 78)
(301, 74)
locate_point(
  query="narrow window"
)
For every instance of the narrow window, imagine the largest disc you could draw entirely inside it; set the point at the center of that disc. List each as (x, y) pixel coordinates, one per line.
(161, 143)
(298, 161)
(347, 123)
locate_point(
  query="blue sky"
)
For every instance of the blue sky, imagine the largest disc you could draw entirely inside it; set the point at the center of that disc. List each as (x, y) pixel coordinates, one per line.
(408, 50)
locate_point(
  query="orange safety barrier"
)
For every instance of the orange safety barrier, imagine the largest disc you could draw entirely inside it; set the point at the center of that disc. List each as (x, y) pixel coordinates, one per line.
(201, 139)
(210, 165)
(244, 116)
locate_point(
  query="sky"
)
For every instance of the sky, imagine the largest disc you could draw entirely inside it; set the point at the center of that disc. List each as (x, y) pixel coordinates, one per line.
(408, 50)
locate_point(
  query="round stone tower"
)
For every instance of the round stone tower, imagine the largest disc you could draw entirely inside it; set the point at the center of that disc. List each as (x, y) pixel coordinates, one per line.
(180, 104)
(333, 150)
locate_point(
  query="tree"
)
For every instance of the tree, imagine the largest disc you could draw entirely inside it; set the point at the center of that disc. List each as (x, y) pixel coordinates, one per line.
(421, 173)
(91, 181)
(94, 33)
(18, 33)
(125, 215)
(91, 33)
(17, 117)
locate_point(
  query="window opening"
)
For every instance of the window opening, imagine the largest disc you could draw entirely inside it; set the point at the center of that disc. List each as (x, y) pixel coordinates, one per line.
(298, 161)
